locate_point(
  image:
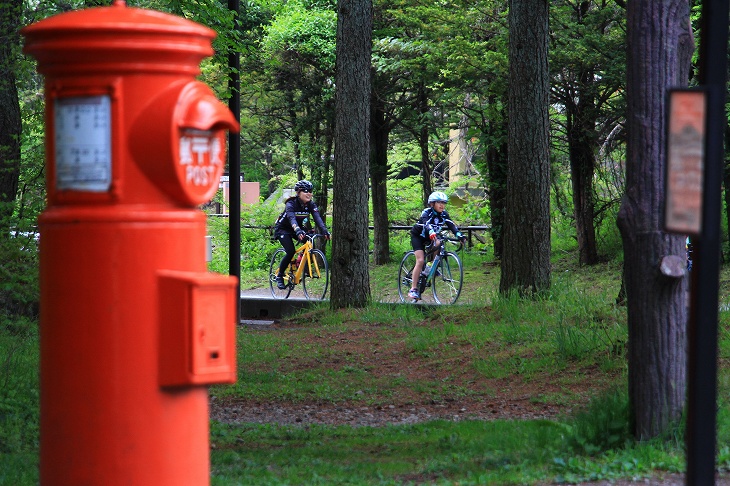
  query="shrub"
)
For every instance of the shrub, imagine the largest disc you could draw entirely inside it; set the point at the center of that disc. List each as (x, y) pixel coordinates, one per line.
(603, 424)
(19, 290)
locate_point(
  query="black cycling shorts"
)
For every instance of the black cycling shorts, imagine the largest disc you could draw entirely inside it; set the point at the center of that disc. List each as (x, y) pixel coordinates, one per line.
(418, 242)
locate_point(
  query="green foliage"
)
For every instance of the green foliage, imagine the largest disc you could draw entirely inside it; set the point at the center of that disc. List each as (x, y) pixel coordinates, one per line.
(308, 34)
(584, 324)
(19, 400)
(217, 229)
(289, 83)
(563, 233)
(603, 425)
(404, 201)
(213, 14)
(574, 324)
(723, 426)
(19, 291)
(257, 245)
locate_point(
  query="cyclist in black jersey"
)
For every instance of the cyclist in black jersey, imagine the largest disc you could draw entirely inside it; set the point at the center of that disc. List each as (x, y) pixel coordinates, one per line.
(426, 230)
(293, 222)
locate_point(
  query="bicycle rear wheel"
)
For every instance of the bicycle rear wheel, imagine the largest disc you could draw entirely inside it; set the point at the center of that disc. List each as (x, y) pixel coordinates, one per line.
(276, 292)
(316, 281)
(447, 285)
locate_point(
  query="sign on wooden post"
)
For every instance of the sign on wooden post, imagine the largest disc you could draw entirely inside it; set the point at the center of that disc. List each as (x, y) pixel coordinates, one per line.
(685, 161)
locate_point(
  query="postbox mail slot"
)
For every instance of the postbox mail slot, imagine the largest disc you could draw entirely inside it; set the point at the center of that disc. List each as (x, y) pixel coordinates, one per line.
(197, 328)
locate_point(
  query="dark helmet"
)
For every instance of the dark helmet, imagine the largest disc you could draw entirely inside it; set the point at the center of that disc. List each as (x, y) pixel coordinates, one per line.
(303, 185)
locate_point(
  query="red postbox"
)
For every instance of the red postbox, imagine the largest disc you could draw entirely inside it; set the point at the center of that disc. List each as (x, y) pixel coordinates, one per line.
(132, 325)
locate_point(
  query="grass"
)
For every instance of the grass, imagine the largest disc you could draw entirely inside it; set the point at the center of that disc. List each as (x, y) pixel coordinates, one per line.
(566, 348)
(436, 452)
(554, 338)
(432, 452)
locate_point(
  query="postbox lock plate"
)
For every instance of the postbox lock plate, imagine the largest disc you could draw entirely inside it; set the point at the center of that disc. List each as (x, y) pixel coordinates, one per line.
(197, 328)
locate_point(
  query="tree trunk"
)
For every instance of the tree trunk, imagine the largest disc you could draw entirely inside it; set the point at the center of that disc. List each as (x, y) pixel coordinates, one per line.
(322, 173)
(10, 120)
(582, 143)
(659, 48)
(350, 243)
(526, 252)
(380, 131)
(327, 165)
(425, 163)
(726, 184)
(497, 188)
(294, 120)
(426, 167)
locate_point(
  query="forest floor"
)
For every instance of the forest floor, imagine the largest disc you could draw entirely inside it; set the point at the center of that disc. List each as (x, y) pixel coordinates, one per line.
(383, 355)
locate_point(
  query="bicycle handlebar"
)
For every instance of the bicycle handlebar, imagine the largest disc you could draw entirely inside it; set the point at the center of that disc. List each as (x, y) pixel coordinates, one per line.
(313, 236)
(443, 236)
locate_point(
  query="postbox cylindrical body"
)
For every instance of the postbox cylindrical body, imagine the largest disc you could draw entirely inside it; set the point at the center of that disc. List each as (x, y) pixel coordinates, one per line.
(132, 326)
(104, 417)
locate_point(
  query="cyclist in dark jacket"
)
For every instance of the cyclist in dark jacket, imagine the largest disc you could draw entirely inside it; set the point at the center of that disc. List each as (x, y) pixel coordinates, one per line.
(298, 212)
(426, 230)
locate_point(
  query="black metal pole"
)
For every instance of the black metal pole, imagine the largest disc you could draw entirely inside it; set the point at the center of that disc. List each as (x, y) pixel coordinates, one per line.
(702, 333)
(234, 160)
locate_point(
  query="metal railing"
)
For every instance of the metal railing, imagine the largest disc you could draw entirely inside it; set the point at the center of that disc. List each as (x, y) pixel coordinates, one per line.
(468, 229)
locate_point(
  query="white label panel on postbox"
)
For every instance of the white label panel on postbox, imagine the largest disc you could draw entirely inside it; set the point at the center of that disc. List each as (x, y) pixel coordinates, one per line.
(83, 143)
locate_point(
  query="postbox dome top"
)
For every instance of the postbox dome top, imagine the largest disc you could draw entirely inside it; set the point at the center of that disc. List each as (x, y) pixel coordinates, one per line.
(120, 17)
(118, 38)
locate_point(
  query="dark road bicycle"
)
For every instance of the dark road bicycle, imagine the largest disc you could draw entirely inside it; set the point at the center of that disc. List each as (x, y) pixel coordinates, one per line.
(444, 276)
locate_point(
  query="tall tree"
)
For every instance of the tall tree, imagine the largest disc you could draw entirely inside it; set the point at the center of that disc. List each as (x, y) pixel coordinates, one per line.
(526, 248)
(380, 126)
(481, 70)
(10, 120)
(496, 161)
(588, 71)
(397, 56)
(298, 57)
(659, 49)
(350, 245)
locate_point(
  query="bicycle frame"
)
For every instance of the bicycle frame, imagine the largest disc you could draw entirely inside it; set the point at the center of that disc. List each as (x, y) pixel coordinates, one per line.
(434, 265)
(311, 263)
(308, 267)
(438, 253)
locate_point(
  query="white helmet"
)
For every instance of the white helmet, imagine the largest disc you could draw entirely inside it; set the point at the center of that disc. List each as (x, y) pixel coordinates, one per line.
(437, 197)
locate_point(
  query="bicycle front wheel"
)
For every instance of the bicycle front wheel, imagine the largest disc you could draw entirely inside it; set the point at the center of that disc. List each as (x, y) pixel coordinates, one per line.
(448, 279)
(276, 292)
(405, 278)
(405, 275)
(316, 279)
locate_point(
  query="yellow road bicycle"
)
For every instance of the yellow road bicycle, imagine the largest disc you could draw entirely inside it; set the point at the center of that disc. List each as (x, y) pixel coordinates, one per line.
(308, 267)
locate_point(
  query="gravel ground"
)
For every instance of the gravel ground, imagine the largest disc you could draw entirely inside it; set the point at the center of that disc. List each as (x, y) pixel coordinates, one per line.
(228, 411)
